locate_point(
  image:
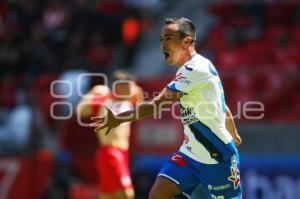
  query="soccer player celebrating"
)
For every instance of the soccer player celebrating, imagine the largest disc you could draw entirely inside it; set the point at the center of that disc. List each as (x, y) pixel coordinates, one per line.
(208, 155)
(112, 154)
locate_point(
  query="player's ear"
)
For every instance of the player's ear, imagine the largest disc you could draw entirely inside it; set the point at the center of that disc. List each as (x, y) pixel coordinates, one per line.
(190, 40)
(187, 41)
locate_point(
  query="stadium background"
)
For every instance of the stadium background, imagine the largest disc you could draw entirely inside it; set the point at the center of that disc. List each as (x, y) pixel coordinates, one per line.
(255, 46)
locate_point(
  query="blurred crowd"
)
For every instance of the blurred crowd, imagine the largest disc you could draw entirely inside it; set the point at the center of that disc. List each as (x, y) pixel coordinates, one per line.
(256, 48)
(43, 41)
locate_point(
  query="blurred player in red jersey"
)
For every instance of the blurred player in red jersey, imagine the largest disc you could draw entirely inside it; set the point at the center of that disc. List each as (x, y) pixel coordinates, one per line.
(112, 154)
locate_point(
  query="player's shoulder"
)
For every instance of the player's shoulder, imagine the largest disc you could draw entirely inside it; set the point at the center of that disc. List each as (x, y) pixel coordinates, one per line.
(197, 64)
(198, 61)
(137, 88)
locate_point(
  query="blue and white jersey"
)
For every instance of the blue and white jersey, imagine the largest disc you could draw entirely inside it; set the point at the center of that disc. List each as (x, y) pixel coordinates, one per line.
(203, 111)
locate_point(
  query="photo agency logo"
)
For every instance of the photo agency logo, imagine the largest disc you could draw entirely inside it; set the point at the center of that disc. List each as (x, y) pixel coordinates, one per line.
(69, 92)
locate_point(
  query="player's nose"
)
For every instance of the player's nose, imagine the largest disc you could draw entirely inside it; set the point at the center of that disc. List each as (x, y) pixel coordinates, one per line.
(162, 46)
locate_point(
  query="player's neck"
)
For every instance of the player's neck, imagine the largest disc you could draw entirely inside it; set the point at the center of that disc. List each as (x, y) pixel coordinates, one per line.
(187, 56)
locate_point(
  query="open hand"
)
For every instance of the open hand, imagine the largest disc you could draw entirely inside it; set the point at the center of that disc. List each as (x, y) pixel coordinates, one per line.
(109, 121)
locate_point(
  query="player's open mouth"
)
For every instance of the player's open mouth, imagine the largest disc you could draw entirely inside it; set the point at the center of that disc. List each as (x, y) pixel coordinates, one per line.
(166, 54)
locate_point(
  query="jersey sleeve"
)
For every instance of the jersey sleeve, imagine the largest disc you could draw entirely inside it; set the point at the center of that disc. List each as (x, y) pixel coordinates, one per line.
(187, 77)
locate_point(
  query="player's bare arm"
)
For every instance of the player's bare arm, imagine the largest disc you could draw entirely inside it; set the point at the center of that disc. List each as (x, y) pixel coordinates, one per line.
(84, 109)
(144, 110)
(230, 125)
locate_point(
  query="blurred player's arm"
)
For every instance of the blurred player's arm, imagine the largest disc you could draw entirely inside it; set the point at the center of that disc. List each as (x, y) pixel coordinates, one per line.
(230, 125)
(84, 109)
(138, 94)
(144, 110)
(87, 104)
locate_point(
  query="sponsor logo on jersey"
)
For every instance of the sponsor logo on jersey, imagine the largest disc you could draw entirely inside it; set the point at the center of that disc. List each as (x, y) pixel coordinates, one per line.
(185, 112)
(188, 115)
(218, 188)
(182, 79)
